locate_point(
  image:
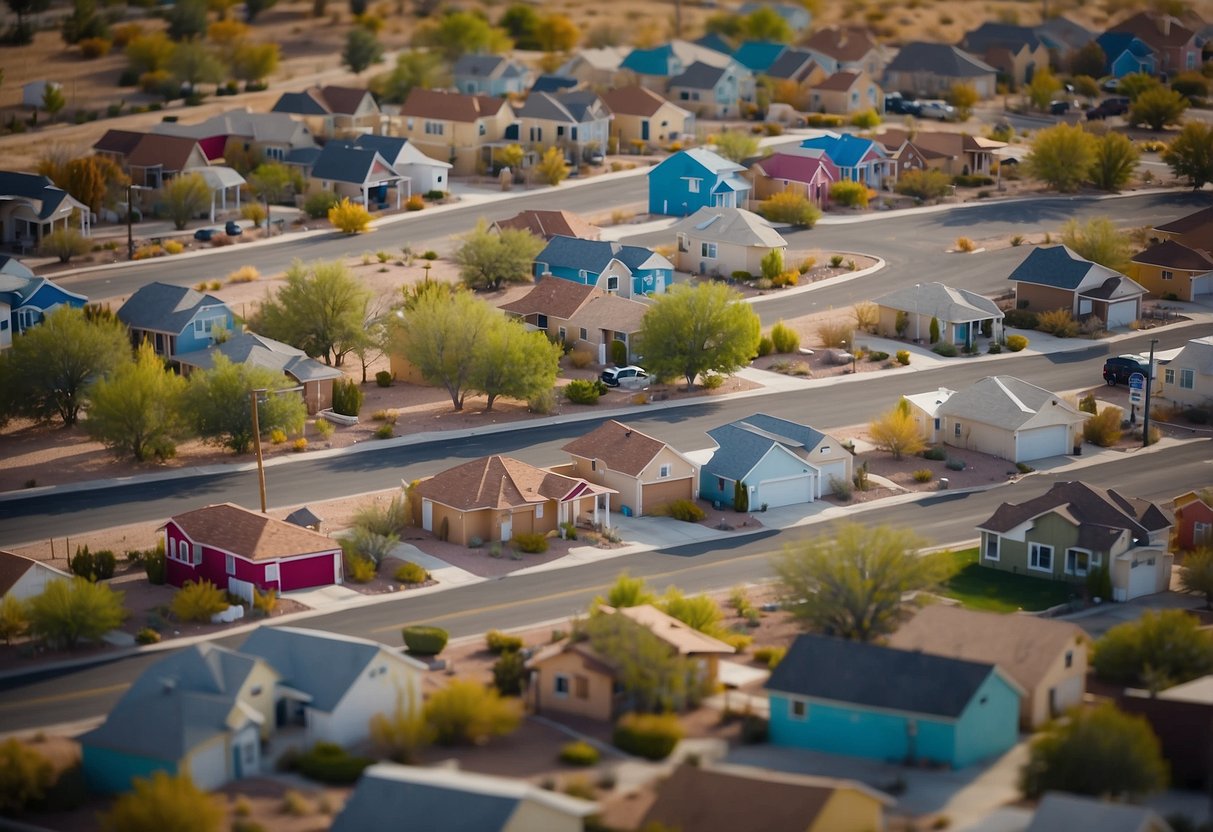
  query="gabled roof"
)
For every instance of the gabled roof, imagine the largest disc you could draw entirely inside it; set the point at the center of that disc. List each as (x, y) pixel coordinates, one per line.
(635, 101)
(1115, 44)
(606, 59)
(1197, 354)
(118, 141)
(576, 107)
(13, 267)
(1006, 35)
(170, 152)
(488, 66)
(735, 226)
(587, 306)
(250, 534)
(553, 83)
(844, 150)
(320, 101)
(1099, 509)
(259, 351)
(741, 445)
(758, 55)
(163, 307)
(872, 676)
(617, 446)
(794, 167)
(397, 150)
(448, 799)
(665, 58)
(845, 44)
(1060, 812)
(1159, 31)
(548, 224)
(340, 162)
(500, 482)
(1004, 402)
(716, 42)
(450, 106)
(17, 291)
(839, 82)
(1059, 267)
(685, 639)
(1024, 647)
(699, 76)
(45, 196)
(260, 127)
(13, 568)
(1197, 691)
(943, 302)
(938, 143)
(1064, 34)
(595, 255)
(792, 64)
(700, 157)
(939, 59)
(321, 664)
(1193, 229)
(1116, 287)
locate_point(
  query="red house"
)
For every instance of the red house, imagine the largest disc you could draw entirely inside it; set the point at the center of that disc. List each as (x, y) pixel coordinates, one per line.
(809, 175)
(1193, 520)
(238, 549)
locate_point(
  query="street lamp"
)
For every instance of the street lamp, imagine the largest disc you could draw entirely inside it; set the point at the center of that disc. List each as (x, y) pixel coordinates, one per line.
(917, 313)
(1145, 417)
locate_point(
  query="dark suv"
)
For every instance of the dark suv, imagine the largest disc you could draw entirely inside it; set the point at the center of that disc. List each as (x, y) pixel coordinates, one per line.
(1117, 370)
(1117, 105)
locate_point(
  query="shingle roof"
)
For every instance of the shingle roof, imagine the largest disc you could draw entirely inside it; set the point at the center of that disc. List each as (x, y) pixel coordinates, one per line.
(1116, 287)
(488, 66)
(794, 167)
(943, 302)
(758, 55)
(735, 226)
(1157, 30)
(617, 446)
(699, 76)
(1059, 267)
(661, 60)
(1085, 505)
(1058, 812)
(163, 307)
(838, 82)
(496, 482)
(36, 188)
(118, 141)
(701, 157)
(339, 162)
(552, 296)
(685, 639)
(716, 42)
(633, 101)
(249, 534)
(872, 676)
(594, 255)
(1004, 402)
(1063, 34)
(319, 101)
(12, 568)
(264, 127)
(259, 351)
(171, 152)
(604, 311)
(10, 265)
(575, 107)
(450, 106)
(743, 443)
(844, 150)
(553, 83)
(794, 64)
(305, 103)
(939, 59)
(1114, 44)
(548, 224)
(842, 43)
(1194, 229)
(1007, 35)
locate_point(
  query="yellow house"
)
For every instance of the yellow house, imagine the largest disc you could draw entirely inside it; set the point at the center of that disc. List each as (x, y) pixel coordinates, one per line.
(643, 119)
(454, 127)
(1173, 271)
(844, 93)
(645, 472)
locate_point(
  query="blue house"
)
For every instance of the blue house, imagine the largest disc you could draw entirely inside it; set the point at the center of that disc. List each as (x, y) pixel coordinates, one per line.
(610, 266)
(492, 75)
(794, 14)
(175, 319)
(716, 42)
(693, 179)
(26, 299)
(777, 462)
(857, 159)
(865, 700)
(1126, 54)
(758, 55)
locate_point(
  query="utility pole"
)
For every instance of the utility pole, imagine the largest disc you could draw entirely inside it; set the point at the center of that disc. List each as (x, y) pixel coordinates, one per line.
(1145, 416)
(130, 232)
(257, 447)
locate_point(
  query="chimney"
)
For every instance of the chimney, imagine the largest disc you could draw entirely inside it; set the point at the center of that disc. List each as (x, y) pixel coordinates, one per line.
(1164, 23)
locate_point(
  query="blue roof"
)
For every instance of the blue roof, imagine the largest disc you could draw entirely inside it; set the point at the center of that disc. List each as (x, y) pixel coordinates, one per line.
(553, 83)
(323, 665)
(591, 255)
(716, 42)
(845, 150)
(33, 186)
(1114, 44)
(304, 156)
(388, 147)
(299, 103)
(758, 55)
(339, 162)
(742, 444)
(655, 61)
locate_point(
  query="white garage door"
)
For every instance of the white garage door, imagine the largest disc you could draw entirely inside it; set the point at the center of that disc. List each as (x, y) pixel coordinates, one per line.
(1203, 285)
(784, 492)
(1121, 314)
(831, 469)
(1142, 577)
(1040, 443)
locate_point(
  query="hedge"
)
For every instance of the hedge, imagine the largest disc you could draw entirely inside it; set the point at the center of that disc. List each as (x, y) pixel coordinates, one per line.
(651, 736)
(423, 640)
(327, 762)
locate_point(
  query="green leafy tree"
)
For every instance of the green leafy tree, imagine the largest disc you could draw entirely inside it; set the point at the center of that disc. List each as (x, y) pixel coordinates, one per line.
(467, 713)
(699, 612)
(14, 617)
(1085, 85)
(459, 33)
(1135, 83)
(1190, 154)
(520, 21)
(165, 802)
(1041, 89)
(25, 775)
(53, 100)
(414, 68)
(850, 585)
(83, 22)
(653, 677)
(1115, 159)
(194, 63)
(1062, 156)
(964, 97)
(273, 181)
(64, 244)
(69, 611)
(486, 259)
(511, 156)
(362, 48)
(1100, 751)
(1100, 241)
(254, 62)
(513, 362)
(1196, 574)
(764, 23)
(187, 19)
(924, 184)
(48, 370)
(219, 404)
(691, 331)
(626, 592)
(736, 145)
(772, 264)
(1158, 650)
(185, 197)
(91, 179)
(1157, 108)
(321, 310)
(1088, 60)
(552, 169)
(137, 409)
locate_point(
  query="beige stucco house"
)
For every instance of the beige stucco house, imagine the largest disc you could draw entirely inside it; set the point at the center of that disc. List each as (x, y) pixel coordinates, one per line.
(644, 472)
(453, 127)
(1011, 419)
(847, 92)
(720, 241)
(1187, 379)
(586, 317)
(962, 315)
(644, 119)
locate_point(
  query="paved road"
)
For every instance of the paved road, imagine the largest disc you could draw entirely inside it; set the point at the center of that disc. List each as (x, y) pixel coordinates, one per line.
(524, 600)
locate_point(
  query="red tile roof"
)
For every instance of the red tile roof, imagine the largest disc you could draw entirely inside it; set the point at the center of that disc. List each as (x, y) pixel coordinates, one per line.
(450, 106)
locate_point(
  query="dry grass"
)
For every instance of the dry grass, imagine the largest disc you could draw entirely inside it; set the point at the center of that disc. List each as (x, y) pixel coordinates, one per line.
(244, 274)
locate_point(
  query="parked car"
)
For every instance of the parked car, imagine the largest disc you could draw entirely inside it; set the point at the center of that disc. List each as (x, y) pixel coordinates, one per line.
(233, 228)
(629, 376)
(939, 110)
(1117, 370)
(1060, 108)
(1110, 84)
(1116, 105)
(205, 234)
(895, 102)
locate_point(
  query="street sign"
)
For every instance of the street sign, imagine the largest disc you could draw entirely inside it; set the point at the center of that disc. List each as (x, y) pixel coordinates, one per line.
(1137, 387)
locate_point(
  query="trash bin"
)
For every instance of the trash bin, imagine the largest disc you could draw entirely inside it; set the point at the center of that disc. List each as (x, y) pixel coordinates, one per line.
(943, 483)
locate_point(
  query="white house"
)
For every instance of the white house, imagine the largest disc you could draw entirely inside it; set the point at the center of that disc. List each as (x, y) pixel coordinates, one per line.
(1011, 419)
(23, 578)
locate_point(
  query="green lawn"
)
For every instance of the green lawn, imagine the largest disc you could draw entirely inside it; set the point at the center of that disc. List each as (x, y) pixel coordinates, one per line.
(981, 588)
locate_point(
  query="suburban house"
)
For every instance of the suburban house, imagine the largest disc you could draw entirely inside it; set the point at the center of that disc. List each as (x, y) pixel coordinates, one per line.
(613, 267)
(809, 176)
(548, 224)
(1047, 658)
(956, 154)
(645, 473)
(572, 677)
(776, 462)
(1062, 812)
(31, 207)
(1011, 419)
(865, 700)
(497, 497)
(1193, 512)
(334, 112)
(654, 67)
(924, 409)
(240, 551)
(1177, 47)
(422, 173)
(758, 55)
(932, 69)
(25, 300)
(1062, 35)
(330, 685)
(845, 93)
(156, 159)
(1074, 528)
(794, 74)
(268, 137)
(1054, 277)
(846, 48)
(858, 159)
(23, 578)
(1127, 54)
(722, 241)
(595, 67)
(174, 319)
(644, 119)
(696, 178)
(1172, 269)
(116, 145)
(316, 378)
(962, 315)
(1187, 379)
(1182, 719)
(554, 83)
(576, 122)
(1194, 230)
(711, 91)
(1015, 51)
(203, 711)
(454, 127)
(726, 798)
(795, 15)
(456, 801)
(493, 75)
(360, 175)
(587, 317)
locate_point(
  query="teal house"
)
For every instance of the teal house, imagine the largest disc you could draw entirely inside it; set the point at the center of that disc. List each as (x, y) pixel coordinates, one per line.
(610, 266)
(694, 179)
(865, 700)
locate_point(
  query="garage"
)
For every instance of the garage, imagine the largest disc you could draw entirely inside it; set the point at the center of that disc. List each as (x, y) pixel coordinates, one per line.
(829, 472)
(1143, 577)
(1039, 443)
(1202, 285)
(662, 493)
(1121, 313)
(787, 491)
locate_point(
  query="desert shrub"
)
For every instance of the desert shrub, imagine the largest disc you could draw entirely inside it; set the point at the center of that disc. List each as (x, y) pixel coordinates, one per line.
(1021, 319)
(91, 48)
(543, 402)
(277, 436)
(147, 636)
(1103, 429)
(429, 254)
(383, 378)
(414, 203)
(850, 194)
(385, 431)
(765, 346)
(325, 428)
(685, 510)
(903, 357)
(509, 673)
(27, 776)
(651, 736)
(467, 712)
(411, 573)
(584, 391)
(711, 381)
(742, 275)
(785, 278)
(424, 640)
(995, 348)
(153, 564)
(498, 642)
(97, 566)
(579, 753)
(265, 602)
(806, 265)
(533, 543)
(954, 464)
(347, 398)
(835, 333)
(1057, 322)
(972, 181)
(836, 260)
(1087, 404)
(770, 656)
(1015, 343)
(965, 244)
(581, 358)
(945, 349)
(923, 475)
(317, 205)
(360, 569)
(842, 488)
(349, 217)
(198, 601)
(935, 454)
(619, 353)
(327, 762)
(878, 356)
(299, 445)
(784, 338)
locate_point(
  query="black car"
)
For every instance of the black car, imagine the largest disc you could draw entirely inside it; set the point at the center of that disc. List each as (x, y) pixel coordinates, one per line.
(205, 234)
(1117, 105)
(233, 228)
(895, 102)
(1118, 369)
(1059, 108)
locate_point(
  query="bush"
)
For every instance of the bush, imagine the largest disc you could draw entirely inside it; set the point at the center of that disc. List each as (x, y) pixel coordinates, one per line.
(361, 570)
(784, 279)
(945, 349)
(498, 642)
(791, 208)
(347, 398)
(936, 454)
(197, 601)
(27, 775)
(1021, 319)
(954, 464)
(435, 195)
(784, 338)
(411, 573)
(924, 184)
(619, 353)
(509, 673)
(1057, 322)
(581, 358)
(1015, 343)
(325, 428)
(685, 510)
(742, 275)
(849, 194)
(385, 431)
(903, 357)
(422, 640)
(975, 181)
(865, 119)
(923, 475)
(878, 356)
(349, 217)
(153, 564)
(467, 712)
(651, 736)
(533, 543)
(94, 567)
(383, 378)
(265, 602)
(92, 48)
(277, 436)
(836, 333)
(765, 346)
(414, 203)
(317, 205)
(1103, 429)
(299, 445)
(965, 244)
(327, 762)
(429, 254)
(841, 488)
(770, 656)
(1087, 404)
(543, 402)
(584, 391)
(579, 753)
(147, 636)
(995, 348)
(64, 244)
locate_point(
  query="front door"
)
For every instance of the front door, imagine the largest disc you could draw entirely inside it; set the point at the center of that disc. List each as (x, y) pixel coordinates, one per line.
(507, 528)
(644, 130)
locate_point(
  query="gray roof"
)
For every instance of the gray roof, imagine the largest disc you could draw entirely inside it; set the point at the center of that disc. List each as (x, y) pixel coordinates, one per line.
(12, 266)
(1057, 266)
(735, 226)
(488, 66)
(575, 107)
(553, 83)
(872, 676)
(305, 517)
(1061, 32)
(262, 127)
(1117, 287)
(942, 302)
(1007, 35)
(446, 799)
(259, 351)
(340, 162)
(300, 103)
(1004, 402)
(163, 307)
(940, 59)
(1088, 507)
(743, 444)
(388, 147)
(699, 76)
(595, 255)
(792, 63)
(1058, 812)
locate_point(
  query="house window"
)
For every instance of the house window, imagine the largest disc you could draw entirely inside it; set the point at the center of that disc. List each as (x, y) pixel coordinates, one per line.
(230, 564)
(561, 685)
(720, 484)
(1187, 378)
(539, 511)
(541, 321)
(1040, 557)
(664, 471)
(936, 423)
(956, 429)
(482, 129)
(613, 283)
(1167, 275)
(183, 552)
(559, 131)
(250, 754)
(255, 690)
(1078, 562)
(1168, 376)
(276, 153)
(1069, 659)
(271, 572)
(563, 333)
(1202, 534)
(990, 551)
(409, 123)
(435, 128)
(692, 186)
(707, 250)
(197, 558)
(584, 335)
(825, 449)
(581, 687)
(798, 709)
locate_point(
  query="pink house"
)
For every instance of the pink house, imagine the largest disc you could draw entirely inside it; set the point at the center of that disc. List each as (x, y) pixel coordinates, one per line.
(240, 550)
(810, 175)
